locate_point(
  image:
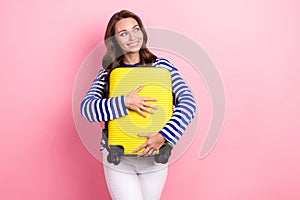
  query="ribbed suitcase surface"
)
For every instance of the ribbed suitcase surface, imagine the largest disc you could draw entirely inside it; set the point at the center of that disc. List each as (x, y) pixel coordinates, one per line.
(157, 84)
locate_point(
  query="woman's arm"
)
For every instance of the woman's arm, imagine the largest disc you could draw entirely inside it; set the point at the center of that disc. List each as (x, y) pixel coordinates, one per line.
(96, 108)
(185, 109)
(183, 113)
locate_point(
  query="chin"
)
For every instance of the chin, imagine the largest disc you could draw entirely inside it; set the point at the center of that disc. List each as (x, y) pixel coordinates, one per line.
(133, 50)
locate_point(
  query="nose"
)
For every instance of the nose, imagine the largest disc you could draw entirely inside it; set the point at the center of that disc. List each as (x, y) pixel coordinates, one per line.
(131, 36)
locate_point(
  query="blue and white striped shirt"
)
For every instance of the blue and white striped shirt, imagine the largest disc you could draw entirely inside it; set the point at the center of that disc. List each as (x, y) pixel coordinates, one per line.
(96, 108)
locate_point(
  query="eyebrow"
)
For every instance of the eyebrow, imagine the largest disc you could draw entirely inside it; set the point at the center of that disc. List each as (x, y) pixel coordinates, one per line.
(126, 30)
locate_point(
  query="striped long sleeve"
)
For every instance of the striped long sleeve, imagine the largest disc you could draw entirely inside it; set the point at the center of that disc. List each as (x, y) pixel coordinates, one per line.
(185, 109)
(96, 108)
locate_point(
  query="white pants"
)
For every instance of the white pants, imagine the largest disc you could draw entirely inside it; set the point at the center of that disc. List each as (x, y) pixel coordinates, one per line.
(135, 178)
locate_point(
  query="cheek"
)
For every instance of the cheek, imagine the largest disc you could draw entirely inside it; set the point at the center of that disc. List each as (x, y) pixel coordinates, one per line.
(121, 43)
(144, 42)
(142, 38)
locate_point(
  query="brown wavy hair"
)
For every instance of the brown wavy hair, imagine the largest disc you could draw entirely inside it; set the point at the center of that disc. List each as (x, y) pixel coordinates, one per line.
(114, 54)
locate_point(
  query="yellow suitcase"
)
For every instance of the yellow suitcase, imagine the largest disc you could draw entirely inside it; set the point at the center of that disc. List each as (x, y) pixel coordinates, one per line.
(123, 132)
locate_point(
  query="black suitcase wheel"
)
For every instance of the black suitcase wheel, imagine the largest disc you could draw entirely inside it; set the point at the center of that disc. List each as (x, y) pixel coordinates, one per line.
(114, 155)
(164, 154)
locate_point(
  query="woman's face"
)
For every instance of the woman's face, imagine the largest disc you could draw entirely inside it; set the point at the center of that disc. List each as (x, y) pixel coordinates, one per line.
(129, 35)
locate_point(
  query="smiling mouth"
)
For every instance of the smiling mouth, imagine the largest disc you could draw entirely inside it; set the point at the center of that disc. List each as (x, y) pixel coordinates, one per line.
(134, 44)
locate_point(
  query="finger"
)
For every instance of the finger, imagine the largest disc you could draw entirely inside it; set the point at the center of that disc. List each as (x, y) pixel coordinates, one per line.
(150, 151)
(141, 113)
(153, 152)
(149, 99)
(147, 110)
(150, 105)
(146, 151)
(145, 134)
(139, 89)
(140, 147)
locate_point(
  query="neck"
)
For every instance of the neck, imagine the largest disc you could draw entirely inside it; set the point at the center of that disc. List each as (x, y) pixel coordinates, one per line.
(131, 58)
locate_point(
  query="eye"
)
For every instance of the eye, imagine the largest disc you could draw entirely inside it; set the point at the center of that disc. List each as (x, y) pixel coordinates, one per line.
(137, 29)
(123, 34)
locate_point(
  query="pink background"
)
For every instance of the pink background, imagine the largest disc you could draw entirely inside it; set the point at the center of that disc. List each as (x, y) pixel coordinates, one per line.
(255, 47)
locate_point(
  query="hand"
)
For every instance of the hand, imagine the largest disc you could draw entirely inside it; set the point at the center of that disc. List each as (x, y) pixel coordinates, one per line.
(137, 103)
(154, 142)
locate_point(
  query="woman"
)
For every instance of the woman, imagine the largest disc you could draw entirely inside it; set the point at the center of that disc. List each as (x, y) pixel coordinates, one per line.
(136, 178)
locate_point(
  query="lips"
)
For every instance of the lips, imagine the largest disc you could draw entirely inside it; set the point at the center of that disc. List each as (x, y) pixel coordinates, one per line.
(133, 44)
